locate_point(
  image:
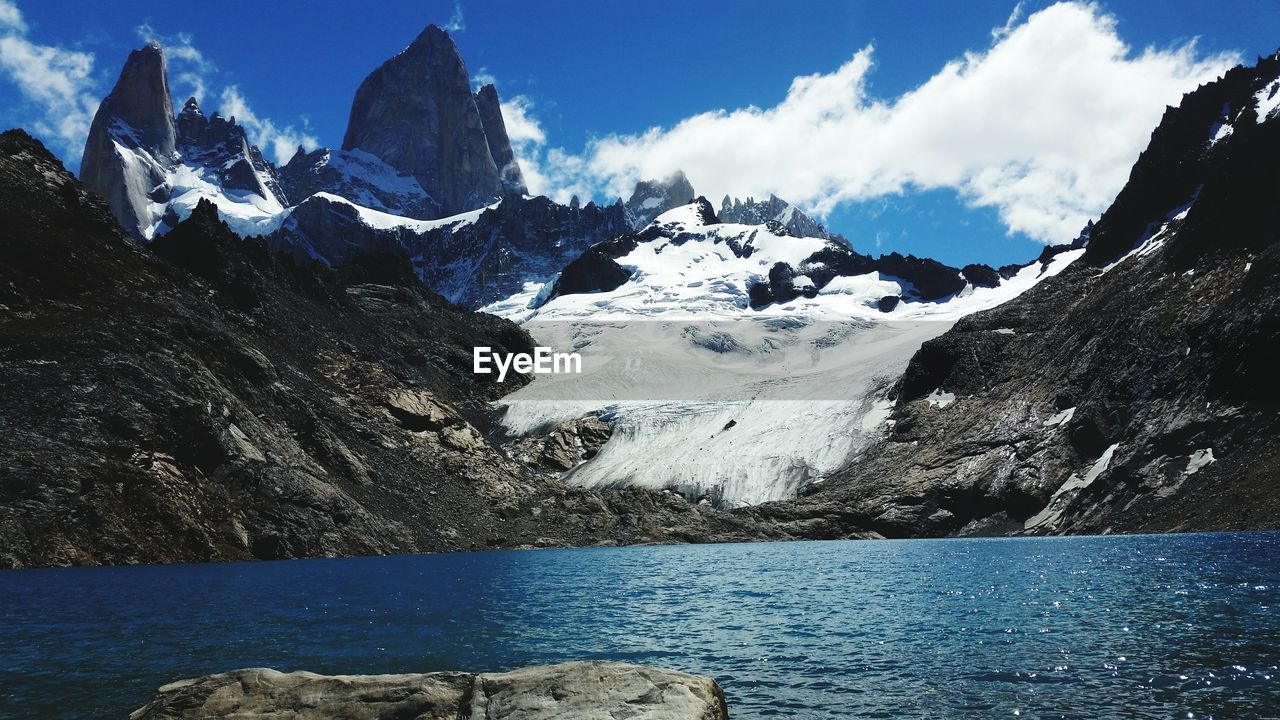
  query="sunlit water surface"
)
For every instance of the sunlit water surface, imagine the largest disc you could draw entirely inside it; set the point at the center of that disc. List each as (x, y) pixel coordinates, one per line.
(1153, 627)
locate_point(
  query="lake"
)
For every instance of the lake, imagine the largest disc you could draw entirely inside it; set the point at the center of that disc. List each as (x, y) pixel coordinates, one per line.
(1139, 626)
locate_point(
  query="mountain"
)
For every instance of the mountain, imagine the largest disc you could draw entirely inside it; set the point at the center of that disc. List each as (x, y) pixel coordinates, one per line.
(478, 258)
(651, 198)
(419, 146)
(417, 113)
(1133, 392)
(201, 398)
(366, 180)
(753, 362)
(689, 261)
(153, 168)
(220, 150)
(132, 145)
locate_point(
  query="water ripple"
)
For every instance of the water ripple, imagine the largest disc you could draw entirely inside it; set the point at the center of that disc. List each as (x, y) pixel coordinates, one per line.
(1142, 627)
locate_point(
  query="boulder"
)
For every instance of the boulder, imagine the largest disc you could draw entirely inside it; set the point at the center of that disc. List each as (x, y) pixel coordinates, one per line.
(577, 690)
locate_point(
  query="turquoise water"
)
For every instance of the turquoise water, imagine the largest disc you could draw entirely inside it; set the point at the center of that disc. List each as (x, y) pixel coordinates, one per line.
(1149, 626)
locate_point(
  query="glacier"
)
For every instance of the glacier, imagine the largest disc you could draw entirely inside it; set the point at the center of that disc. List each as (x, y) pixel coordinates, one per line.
(711, 398)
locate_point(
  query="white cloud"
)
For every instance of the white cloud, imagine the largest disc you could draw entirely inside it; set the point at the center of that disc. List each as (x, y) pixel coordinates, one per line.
(278, 143)
(56, 83)
(11, 17)
(547, 171)
(456, 23)
(1043, 126)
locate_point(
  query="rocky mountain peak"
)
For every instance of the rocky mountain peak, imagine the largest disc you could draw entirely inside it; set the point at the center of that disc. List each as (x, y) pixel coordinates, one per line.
(136, 151)
(222, 147)
(141, 99)
(191, 120)
(495, 129)
(136, 116)
(417, 113)
(651, 198)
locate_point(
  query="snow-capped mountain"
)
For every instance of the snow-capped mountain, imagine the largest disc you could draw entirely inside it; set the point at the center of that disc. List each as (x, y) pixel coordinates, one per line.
(153, 168)
(651, 198)
(752, 361)
(426, 170)
(753, 349)
(687, 263)
(414, 149)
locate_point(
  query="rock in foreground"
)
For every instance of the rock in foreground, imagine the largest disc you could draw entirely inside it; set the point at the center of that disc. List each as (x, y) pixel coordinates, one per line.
(578, 690)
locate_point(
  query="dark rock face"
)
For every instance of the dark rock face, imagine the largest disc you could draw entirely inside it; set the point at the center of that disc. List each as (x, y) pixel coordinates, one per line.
(417, 114)
(332, 231)
(930, 279)
(221, 147)
(981, 275)
(141, 100)
(651, 198)
(495, 130)
(1142, 398)
(138, 116)
(1170, 170)
(217, 401)
(569, 691)
(592, 271)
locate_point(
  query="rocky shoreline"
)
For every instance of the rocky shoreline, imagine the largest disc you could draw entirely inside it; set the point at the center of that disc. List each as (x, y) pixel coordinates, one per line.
(569, 691)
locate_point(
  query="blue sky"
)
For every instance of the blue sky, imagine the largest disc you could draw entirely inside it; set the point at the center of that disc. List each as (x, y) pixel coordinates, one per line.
(590, 80)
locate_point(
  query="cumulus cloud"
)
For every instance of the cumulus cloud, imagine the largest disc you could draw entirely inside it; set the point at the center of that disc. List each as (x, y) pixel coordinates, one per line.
(277, 142)
(1043, 126)
(56, 84)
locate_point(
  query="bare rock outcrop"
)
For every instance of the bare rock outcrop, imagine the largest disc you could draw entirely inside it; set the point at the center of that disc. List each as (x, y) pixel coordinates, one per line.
(570, 691)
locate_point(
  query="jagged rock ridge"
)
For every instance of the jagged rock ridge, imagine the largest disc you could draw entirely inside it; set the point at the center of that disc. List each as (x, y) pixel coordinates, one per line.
(753, 212)
(495, 131)
(221, 147)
